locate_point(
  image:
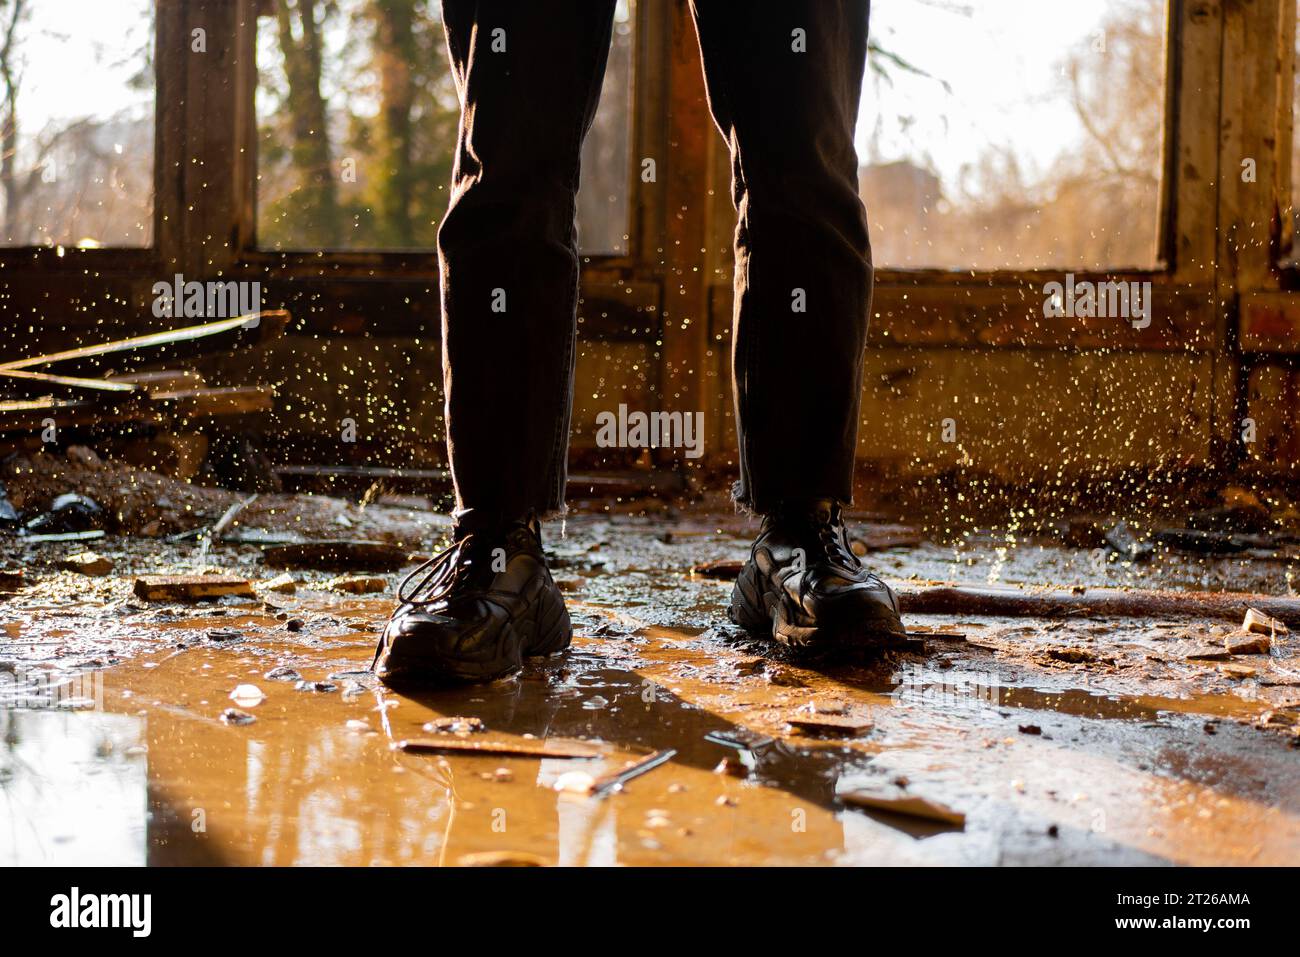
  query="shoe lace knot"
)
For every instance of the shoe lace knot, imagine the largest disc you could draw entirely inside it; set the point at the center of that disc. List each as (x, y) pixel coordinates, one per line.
(439, 577)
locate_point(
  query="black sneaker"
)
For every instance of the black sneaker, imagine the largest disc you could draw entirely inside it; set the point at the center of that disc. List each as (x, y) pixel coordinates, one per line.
(475, 611)
(804, 586)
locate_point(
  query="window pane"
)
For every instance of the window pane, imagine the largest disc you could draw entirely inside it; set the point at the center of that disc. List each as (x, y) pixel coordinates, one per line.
(1013, 135)
(77, 122)
(357, 120)
(602, 200)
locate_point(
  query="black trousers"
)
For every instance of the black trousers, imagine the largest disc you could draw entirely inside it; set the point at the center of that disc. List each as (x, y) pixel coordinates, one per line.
(529, 75)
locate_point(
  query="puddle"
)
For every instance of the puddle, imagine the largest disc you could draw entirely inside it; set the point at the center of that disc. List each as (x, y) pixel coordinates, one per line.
(1127, 760)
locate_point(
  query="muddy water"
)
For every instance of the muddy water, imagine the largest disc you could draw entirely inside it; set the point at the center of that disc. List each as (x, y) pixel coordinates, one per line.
(1136, 756)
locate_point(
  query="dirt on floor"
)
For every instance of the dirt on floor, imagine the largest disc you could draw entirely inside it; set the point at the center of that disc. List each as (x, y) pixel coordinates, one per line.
(248, 730)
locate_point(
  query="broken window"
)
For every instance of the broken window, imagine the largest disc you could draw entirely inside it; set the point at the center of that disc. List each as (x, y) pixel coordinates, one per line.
(1014, 135)
(76, 170)
(357, 118)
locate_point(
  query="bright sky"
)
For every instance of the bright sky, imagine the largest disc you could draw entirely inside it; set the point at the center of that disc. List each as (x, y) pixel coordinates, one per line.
(76, 57)
(1002, 60)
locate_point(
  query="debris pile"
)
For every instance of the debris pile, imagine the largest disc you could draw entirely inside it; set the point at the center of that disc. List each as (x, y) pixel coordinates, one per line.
(145, 379)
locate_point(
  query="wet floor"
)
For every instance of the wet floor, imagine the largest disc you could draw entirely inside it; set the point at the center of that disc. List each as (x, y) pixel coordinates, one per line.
(119, 745)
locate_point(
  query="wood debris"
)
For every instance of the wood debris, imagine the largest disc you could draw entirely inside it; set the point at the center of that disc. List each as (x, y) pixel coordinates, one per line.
(280, 584)
(1238, 671)
(844, 722)
(1261, 623)
(1248, 644)
(87, 563)
(1011, 601)
(547, 748)
(357, 584)
(191, 587)
(727, 569)
(615, 780)
(905, 804)
(87, 385)
(340, 556)
(456, 724)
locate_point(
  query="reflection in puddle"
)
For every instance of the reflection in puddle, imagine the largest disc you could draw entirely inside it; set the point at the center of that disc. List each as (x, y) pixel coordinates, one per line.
(73, 786)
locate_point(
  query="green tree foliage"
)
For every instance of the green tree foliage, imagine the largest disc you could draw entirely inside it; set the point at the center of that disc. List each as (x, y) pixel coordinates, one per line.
(357, 124)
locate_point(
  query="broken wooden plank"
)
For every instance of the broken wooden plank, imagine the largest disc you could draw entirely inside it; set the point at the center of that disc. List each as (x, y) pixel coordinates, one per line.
(180, 343)
(66, 536)
(161, 380)
(545, 748)
(202, 403)
(37, 384)
(27, 415)
(1011, 602)
(191, 587)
